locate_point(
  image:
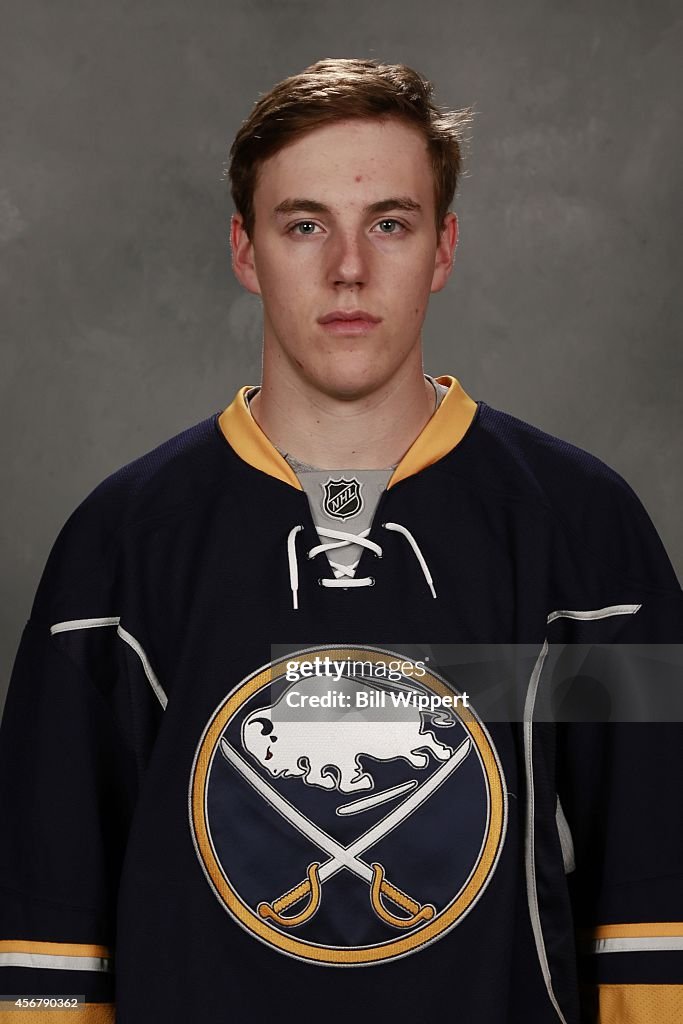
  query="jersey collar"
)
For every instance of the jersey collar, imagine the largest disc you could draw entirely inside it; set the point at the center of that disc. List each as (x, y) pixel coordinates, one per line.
(440, 435)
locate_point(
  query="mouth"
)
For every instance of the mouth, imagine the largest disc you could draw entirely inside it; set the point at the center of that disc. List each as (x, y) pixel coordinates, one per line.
(349, 326)
(349, 322)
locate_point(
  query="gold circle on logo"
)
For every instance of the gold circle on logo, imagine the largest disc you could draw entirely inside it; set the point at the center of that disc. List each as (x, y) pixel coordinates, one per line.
(428, 932)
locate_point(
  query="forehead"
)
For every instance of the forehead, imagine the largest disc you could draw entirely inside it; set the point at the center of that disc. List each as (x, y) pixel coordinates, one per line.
(350, 158)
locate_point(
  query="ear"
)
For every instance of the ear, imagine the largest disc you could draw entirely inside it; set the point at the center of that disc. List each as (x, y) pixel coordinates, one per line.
(242, 251)
(445, 252)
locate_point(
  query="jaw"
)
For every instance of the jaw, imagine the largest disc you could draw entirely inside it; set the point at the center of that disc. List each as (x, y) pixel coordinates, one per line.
(343, 368)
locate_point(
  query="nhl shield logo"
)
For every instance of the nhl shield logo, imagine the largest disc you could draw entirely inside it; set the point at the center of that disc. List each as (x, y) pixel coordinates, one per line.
(342, 498)
(331, 837)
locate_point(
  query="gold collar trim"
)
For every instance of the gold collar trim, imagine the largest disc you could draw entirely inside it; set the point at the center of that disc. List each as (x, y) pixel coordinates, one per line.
(440, 435)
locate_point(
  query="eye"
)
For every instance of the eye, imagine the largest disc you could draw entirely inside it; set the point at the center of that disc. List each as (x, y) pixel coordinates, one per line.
(301, 224)
(391, 221)
(307, 227)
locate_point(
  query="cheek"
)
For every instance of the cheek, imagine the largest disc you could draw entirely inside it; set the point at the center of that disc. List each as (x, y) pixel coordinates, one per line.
(414, 275)
(282, 286)
(415, 295)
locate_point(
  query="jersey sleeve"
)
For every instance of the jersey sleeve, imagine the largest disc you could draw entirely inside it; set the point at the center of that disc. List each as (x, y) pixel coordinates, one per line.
(67, 790)
(619, 787)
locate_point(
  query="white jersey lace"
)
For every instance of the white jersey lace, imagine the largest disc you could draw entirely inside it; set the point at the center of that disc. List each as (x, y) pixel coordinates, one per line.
(344, 574)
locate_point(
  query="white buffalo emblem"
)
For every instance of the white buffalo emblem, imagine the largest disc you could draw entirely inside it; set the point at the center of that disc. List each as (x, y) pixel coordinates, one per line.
(322, 746)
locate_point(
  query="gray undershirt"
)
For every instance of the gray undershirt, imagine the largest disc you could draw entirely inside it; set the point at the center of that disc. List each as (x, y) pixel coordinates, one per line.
(350, 494)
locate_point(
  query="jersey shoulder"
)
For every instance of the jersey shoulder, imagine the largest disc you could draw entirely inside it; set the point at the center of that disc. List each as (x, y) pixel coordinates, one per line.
(540, 466)
(596, 508)
(169, 478)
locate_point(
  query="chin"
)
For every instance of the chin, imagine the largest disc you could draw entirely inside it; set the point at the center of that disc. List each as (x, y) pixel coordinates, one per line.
(348, 378)
(349, 386)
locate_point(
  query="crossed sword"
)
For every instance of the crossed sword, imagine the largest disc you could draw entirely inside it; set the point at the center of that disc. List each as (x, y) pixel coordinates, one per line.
(346, 856)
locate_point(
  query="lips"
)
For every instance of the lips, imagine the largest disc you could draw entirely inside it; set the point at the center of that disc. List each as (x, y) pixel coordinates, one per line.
(340, 315)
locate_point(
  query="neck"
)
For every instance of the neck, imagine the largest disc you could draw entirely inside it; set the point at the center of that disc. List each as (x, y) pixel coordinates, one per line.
(371, 432)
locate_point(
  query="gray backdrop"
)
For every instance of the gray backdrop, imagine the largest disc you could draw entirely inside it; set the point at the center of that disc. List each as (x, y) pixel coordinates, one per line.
(122, 323)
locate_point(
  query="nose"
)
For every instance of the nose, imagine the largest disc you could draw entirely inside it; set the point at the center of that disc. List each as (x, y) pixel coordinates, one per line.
(348, 259)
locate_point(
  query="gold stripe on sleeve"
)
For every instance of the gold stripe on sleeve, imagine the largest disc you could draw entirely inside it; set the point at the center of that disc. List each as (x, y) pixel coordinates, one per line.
(87, 1013)
(640, 930)
(640, 1004)
(56, 956)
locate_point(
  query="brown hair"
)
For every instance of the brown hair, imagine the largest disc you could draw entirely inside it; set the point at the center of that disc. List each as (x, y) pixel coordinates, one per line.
(336, 89)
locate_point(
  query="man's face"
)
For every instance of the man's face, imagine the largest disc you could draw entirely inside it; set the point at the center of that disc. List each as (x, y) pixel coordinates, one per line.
(322, 243)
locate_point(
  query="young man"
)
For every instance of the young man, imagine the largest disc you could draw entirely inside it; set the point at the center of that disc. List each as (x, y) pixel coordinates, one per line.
(233, 785)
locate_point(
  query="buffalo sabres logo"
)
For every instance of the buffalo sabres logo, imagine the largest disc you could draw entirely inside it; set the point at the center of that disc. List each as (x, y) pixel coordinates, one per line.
(342, 498)
(348, 830)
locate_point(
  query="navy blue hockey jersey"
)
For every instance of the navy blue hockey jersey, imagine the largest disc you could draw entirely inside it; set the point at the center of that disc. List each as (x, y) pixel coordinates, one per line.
(189, 832)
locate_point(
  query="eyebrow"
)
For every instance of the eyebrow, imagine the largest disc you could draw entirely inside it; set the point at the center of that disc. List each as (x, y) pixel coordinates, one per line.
(313, 206)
